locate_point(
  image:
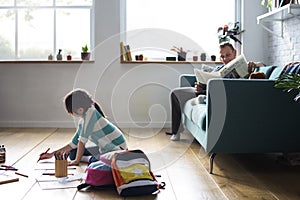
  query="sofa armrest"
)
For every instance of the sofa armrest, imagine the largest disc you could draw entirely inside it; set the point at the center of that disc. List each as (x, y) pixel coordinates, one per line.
(251, 116)
(187, 80)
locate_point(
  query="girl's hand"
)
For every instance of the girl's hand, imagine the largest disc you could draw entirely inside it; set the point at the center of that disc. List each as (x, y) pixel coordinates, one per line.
(73, 163)
(45, 155)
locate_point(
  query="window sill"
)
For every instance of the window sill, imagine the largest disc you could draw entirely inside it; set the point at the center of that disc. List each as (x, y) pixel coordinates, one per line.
(172, 62)
(46, 61)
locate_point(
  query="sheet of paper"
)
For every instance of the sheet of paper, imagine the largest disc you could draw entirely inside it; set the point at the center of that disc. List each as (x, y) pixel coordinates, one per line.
(51, 185)
(51, 182)
(6, 177)
(47, 178)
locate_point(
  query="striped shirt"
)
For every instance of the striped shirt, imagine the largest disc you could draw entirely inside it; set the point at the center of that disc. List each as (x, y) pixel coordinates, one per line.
(97, 129)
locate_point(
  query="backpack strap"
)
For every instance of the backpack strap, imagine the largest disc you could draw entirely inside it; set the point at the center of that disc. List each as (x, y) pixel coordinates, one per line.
(161, 185)
(83, 185)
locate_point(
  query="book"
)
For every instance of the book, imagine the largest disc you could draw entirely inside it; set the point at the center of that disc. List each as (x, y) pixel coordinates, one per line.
(128, 53)
(237, 68)
(123, 52)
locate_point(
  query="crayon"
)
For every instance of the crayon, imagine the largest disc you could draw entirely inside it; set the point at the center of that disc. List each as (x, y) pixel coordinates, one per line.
(21, 174)
(52, 174)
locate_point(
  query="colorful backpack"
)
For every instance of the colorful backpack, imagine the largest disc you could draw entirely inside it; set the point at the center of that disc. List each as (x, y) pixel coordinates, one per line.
(132, 174)
(99, 174)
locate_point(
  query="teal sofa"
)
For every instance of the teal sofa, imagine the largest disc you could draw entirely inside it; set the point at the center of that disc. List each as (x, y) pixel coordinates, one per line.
(244, 116)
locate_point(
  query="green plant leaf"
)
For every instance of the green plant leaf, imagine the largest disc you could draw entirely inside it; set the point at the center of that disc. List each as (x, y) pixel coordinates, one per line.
(85, 48)
(289, 82)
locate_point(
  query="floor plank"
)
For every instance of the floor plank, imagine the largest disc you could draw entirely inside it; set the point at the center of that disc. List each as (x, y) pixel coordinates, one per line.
(19, 144)
(240, 177)
(182, 165)
(190, 179)
(281, 180)
(54, 141)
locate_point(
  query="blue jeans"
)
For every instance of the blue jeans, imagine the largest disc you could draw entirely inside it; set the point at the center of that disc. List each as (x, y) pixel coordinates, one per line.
(89, 151)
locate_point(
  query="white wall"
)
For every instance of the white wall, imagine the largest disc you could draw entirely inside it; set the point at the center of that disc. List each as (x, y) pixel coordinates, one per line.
(255, 37)
(131, 94)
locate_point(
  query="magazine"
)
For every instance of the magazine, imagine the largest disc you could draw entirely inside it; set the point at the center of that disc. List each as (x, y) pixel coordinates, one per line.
(237, 68)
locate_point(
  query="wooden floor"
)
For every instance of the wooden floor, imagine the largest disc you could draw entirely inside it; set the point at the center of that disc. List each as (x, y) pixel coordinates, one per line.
(182, 165)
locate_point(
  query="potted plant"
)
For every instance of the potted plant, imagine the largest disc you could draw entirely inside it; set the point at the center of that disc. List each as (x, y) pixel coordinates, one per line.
(289, 82)
(267, 4)
(195, 56)
(180, 52)
(141, 57)
(230, 32)
(69, 56)
(85, 55)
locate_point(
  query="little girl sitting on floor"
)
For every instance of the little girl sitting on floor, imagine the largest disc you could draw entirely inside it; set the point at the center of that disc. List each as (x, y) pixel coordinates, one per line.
(92, 126)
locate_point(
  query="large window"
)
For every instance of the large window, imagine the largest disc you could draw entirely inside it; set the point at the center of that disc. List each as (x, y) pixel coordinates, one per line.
(153, 27)
(34, 29)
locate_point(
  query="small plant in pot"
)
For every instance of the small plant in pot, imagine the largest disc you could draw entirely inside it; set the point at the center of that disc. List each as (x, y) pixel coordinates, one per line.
(69, 56)
(85, 55)
(181, 54)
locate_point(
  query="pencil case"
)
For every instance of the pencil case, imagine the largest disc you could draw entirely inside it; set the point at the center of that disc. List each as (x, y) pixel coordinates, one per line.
(61, 168)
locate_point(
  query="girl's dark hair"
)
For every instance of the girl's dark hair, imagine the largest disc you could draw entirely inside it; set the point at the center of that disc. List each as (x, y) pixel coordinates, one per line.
(80, 98)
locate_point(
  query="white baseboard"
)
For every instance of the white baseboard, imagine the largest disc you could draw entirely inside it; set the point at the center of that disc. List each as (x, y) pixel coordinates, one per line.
(143, 124)
(38, 124)
(68, 124)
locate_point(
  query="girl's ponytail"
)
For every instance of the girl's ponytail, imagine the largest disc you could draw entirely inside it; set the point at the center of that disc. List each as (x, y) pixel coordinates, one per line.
(80, 98)
(99, 109)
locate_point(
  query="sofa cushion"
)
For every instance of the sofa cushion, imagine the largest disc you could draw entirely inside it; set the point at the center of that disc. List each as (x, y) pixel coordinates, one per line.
(276, 72)
(199, 114)
(292, 68)
(187, 109)
(267, 70)
(195, 112)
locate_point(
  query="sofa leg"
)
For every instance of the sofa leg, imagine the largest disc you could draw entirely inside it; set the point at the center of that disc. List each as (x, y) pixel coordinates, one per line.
(211, 162)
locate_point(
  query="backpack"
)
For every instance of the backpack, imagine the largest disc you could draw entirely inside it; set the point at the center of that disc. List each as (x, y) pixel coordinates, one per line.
(99, 174)
(132, 174)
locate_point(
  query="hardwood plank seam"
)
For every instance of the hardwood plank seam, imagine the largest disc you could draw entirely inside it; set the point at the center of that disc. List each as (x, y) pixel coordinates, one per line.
(209, 175)
(261, 185)
(29, 189)
(35, 146)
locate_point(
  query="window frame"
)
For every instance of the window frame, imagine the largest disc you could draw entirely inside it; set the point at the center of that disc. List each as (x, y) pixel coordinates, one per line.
(123, 23)
(17, 9)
